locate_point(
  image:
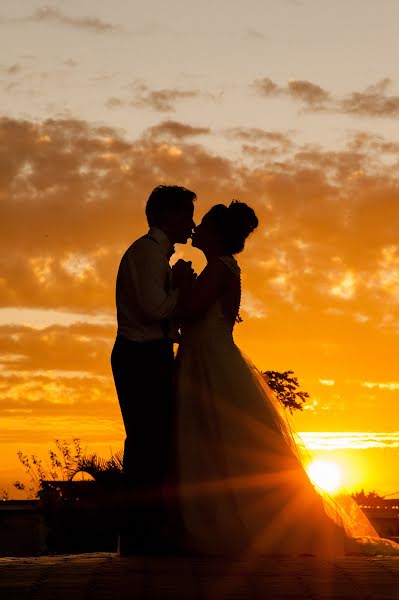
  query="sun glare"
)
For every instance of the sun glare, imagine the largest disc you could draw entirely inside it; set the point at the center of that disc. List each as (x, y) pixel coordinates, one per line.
(326, 475)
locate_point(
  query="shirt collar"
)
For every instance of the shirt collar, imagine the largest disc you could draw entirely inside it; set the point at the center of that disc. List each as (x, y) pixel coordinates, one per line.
(159, 236)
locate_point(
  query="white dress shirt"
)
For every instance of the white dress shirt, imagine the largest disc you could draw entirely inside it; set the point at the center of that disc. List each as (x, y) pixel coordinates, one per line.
(144, 298)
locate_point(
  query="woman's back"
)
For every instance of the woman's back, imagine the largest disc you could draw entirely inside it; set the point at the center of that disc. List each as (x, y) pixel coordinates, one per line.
(217, 323)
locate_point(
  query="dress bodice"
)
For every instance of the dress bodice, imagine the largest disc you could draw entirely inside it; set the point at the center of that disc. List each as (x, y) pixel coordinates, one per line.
(218, 322)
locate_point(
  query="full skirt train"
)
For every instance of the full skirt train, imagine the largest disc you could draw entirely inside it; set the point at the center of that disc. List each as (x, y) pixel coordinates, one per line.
(243, 486)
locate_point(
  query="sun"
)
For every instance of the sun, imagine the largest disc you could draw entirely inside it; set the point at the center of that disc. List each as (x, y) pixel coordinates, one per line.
(326, 475)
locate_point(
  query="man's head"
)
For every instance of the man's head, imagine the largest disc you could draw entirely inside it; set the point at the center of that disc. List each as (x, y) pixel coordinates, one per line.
(171, 208)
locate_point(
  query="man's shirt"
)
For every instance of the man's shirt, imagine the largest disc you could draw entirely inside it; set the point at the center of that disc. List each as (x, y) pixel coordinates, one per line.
(145, 300)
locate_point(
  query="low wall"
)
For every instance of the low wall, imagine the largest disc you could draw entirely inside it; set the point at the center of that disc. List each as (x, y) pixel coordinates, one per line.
(80, 527)
(22, 529)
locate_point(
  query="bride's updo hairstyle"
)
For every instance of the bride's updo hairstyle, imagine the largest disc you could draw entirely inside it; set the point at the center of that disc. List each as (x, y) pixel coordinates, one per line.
(233, 223)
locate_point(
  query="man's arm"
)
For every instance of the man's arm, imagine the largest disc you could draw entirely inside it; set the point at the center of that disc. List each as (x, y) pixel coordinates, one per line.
(151, 272)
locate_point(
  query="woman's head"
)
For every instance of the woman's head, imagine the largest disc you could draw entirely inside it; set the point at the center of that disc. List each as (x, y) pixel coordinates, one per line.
(224, 229)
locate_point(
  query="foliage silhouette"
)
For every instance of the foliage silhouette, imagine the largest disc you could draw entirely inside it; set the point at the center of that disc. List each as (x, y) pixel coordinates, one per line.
(285, 385)
(65, 462)
(368, 498)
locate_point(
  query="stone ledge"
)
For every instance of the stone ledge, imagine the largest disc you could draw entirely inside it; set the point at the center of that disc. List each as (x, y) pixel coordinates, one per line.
(105, 576)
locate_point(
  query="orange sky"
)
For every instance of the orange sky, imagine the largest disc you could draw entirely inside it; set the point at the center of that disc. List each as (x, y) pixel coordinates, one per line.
(320, 276)
(314, 151)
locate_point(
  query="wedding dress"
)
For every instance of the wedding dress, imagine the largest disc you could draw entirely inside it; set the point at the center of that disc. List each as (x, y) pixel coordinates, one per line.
(243, 487)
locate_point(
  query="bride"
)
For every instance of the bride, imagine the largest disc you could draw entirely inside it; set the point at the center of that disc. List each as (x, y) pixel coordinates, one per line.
(242, 484)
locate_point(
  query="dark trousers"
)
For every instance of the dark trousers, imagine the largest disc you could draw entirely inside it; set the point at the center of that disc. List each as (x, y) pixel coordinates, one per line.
(143, 379)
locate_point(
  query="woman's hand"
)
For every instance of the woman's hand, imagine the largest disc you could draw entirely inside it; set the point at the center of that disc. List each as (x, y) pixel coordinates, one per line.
(183, 274)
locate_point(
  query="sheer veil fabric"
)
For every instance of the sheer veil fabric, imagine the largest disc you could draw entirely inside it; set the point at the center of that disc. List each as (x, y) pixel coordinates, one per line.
(243, 486)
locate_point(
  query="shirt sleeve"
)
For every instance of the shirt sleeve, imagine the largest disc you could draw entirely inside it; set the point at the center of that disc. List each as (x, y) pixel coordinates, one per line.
(150, 271)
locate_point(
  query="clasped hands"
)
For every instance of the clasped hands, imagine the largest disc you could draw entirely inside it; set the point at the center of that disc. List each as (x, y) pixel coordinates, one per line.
(183, 274)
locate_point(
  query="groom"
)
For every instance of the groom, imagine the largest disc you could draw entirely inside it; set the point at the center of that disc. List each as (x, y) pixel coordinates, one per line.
(148, 294)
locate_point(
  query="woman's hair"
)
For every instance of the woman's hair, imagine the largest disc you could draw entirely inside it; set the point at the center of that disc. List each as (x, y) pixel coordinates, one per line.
(233, 223)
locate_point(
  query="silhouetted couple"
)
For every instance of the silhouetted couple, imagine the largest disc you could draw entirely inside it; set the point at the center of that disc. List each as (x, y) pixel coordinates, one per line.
(210, 463)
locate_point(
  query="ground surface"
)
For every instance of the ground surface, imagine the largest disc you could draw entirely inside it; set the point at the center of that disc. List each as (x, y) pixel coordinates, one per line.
(108, 576)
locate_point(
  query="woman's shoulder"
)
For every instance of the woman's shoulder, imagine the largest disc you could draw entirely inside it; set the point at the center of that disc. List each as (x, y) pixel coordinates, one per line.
(219, 271)
(231, 263)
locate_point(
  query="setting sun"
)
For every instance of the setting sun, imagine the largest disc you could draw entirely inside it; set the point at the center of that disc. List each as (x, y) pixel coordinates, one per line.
(326, 475)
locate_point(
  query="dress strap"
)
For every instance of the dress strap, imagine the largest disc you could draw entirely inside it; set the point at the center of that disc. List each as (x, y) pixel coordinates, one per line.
(231, 262)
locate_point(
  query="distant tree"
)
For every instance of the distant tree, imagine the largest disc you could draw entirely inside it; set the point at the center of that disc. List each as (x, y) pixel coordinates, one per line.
(367, 499)
(103, 470)
(286, 387)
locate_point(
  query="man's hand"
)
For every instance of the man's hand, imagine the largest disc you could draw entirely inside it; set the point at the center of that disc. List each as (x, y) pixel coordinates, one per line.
(183, 274)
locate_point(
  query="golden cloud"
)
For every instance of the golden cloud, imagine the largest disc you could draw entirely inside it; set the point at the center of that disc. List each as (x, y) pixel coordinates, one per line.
(79, 347)
(73, 198)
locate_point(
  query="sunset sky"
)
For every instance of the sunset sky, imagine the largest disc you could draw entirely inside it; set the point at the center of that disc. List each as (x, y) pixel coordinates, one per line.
(289, 105)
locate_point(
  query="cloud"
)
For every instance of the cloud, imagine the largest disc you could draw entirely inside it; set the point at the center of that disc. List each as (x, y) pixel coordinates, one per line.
(373, 101)
(340, 440)
(41, 318)
(161, 100)
(363, 141)
(114, 102)
(69, 62)
(260, 143)
(253, 306)
(267, 87)
(255, 134)
(79, 348)
(390, 386)
(176, 130)
(52, 396)
(13, 69)
(308, 93)
(51, 14)
(255, 35)
(345, 287)
(55, 373)
(327, 382)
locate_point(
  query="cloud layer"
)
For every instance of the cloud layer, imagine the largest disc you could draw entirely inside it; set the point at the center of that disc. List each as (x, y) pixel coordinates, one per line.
(356, 440)
(51, 14)
(374, 101)
(159, 100)
(73, 196)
